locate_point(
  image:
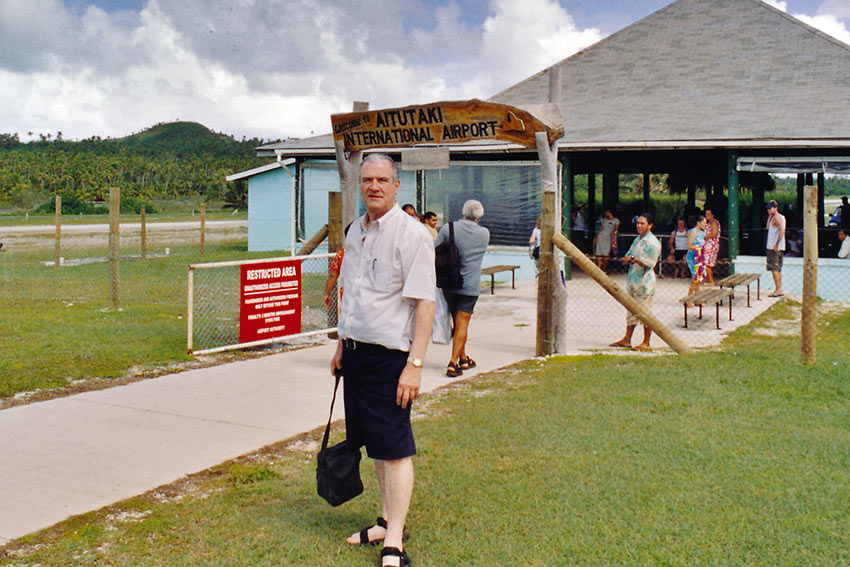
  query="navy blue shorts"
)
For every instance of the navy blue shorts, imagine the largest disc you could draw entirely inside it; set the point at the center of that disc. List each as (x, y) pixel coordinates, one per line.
(372, 417)
(460, 302)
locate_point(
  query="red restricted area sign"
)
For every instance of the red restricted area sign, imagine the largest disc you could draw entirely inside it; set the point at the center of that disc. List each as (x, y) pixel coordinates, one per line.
(270, 300)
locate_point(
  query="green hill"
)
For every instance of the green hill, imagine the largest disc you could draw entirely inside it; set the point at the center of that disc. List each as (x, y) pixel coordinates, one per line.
(184, 138)
(166, 161)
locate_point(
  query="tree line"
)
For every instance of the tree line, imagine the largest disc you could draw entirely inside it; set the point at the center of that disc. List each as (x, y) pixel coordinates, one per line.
(166, 161)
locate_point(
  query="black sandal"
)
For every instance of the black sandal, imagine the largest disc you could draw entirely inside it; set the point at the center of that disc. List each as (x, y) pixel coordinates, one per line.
(466, 363)
(364, 533)
(453, 370)
(381, 523)
(404, 559)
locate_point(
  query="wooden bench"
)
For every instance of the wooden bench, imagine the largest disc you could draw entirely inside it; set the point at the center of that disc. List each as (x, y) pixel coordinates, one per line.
(493, 270)
(742, 279)
(707, 296)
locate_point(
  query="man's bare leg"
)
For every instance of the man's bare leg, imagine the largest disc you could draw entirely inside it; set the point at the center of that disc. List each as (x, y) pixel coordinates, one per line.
(777, 282)
(626, 341)
(375, 533)
(459, 339)
(396, 491)
(647, 334)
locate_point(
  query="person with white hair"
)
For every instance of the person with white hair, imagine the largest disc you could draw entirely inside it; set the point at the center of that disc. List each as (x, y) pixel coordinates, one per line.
(471, 240)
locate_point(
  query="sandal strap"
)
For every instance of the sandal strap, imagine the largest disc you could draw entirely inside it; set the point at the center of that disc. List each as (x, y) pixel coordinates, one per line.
(392, 551)
(381, 522)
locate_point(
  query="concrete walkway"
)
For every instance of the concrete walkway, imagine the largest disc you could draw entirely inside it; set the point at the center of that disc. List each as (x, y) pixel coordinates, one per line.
(76, 454)
(79, 453)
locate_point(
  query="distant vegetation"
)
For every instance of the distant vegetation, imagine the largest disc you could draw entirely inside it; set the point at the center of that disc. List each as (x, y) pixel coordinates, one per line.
(174, 161)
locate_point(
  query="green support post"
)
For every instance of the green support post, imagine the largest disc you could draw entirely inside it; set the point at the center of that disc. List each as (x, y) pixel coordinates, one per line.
(567, 202)
(734, 220)
(420, 191)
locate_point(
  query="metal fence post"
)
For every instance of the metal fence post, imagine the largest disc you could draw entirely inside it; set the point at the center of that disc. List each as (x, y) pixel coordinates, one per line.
(114, 242)
(58, 245)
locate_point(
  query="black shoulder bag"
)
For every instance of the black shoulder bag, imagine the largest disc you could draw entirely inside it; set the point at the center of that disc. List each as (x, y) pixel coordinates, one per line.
(338, 467)
(447, 263)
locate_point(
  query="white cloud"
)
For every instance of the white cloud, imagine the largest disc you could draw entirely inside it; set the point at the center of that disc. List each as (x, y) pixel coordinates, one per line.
(827, 19)
(779, 5)
(828, 24)
(521, 39)
(254, 69)
(838, 8)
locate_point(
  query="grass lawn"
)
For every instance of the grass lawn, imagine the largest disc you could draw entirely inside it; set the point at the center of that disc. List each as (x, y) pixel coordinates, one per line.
(734, 457)
(57, 325)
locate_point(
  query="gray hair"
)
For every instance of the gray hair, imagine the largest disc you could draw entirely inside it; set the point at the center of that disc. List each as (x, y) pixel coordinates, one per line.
(384, 157)
(473, 210)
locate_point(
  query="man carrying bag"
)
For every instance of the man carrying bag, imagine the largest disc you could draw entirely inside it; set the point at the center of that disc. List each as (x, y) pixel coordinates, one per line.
(384, 327)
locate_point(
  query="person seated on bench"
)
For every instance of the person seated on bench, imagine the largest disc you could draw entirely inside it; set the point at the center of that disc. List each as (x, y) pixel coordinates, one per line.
(641, 259)
(843, 252)
(678, 246)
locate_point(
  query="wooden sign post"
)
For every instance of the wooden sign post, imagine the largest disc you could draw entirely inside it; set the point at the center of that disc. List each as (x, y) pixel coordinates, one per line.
(808, 327)
(456, 122)
(440, 123)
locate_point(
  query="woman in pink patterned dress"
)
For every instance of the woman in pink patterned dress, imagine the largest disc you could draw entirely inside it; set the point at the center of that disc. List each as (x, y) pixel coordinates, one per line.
(712, 245)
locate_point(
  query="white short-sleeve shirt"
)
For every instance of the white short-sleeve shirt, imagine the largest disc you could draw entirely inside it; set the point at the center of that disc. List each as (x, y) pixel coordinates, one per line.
(385, 270)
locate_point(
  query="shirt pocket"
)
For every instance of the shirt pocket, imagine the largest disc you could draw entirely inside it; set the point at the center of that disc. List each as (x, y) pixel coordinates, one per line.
(378, 275)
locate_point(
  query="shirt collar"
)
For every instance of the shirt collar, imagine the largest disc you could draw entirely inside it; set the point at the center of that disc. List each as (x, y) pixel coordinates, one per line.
(394, 211)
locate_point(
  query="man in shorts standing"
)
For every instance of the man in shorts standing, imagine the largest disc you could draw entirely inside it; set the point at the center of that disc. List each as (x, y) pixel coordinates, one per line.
(384, 328)
(471, 241)
(775, 247)
(641, 258)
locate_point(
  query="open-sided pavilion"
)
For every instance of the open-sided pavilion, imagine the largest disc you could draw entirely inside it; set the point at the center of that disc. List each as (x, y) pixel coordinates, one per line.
(708, 90)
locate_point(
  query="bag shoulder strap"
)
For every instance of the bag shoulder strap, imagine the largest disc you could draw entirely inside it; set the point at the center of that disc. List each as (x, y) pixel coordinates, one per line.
(451, 234)
(330, 417)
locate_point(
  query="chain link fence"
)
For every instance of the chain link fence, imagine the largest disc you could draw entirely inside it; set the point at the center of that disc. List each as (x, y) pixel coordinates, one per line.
(35, 265)
(596, 320)
(157, 275)
(215, 303)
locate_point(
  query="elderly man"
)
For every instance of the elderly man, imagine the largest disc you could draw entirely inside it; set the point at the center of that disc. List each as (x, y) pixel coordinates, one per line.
(775, 247)
(471, 241)
(384, 328)
(641, 258)
(844, 251)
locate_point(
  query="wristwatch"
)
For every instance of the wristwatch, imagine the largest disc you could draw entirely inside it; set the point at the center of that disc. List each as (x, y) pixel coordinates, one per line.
(416, 362)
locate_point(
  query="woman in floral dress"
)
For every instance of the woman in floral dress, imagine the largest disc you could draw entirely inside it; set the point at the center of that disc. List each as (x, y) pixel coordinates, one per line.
(696, 256)
(712, 245)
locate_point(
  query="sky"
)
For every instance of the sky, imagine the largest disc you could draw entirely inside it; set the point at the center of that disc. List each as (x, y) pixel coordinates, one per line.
(275, 69)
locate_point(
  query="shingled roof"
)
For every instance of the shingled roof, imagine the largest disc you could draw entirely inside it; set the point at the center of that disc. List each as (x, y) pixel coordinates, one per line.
(697, 73)
(715, 71)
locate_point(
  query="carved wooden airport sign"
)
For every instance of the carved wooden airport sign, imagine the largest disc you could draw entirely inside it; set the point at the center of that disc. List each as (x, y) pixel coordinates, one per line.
(439, 123)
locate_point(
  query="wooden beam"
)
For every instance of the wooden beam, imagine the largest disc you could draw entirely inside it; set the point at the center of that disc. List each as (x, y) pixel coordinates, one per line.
(808, 328)
(621, 295)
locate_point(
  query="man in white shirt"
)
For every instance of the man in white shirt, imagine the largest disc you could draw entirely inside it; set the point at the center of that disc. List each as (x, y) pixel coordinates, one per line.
(775, 247)
(844, 251)
(384, 327)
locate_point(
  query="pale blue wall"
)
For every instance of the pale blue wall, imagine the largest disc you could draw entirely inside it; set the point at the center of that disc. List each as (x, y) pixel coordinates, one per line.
(270, 211)
(271, 203)
(322, 177)
(833, 275)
